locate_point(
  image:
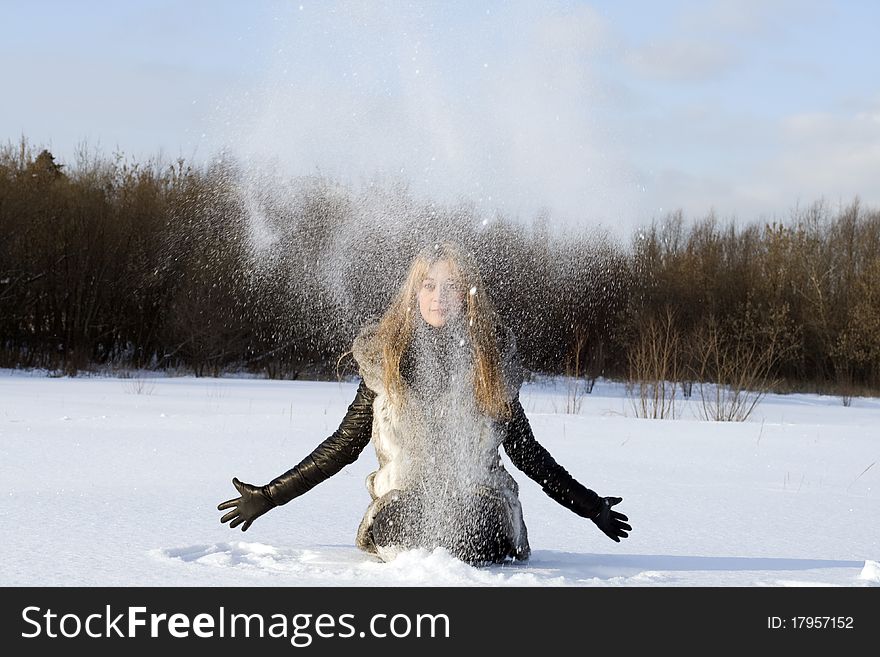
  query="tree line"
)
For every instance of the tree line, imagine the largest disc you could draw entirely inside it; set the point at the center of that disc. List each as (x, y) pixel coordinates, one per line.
(109, 264)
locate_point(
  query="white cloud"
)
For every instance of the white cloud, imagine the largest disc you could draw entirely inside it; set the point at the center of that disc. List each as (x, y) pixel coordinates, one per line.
(765, 168)
(751, 18)
(579, 32)
(708, 41)
(682, 61)
(837, 156)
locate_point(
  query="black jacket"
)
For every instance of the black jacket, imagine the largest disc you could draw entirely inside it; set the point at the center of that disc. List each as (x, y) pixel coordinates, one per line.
(346, 443)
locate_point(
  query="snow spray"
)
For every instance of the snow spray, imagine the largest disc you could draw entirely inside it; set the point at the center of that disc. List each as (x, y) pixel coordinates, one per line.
(378, 130)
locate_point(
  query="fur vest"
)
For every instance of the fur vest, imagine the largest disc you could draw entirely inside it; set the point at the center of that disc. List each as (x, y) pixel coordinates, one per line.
(437, 443)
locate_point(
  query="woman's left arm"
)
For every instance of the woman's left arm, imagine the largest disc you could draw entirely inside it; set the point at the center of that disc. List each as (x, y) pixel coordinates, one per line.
(535, 461)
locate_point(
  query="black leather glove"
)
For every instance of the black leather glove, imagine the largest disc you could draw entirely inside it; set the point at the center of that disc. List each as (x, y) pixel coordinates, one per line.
(612, 523)
(253, 503)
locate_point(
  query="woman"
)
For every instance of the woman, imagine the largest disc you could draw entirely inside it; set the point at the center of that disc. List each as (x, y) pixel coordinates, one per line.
(439, 393)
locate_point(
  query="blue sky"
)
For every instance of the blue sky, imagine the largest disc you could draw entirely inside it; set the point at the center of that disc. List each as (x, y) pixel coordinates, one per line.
(600, 112)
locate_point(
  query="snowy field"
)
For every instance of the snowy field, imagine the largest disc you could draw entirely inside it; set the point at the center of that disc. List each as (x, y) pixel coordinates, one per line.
(115, 482)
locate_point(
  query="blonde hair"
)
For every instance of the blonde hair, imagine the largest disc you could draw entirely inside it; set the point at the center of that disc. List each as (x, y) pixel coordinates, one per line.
(397, 326)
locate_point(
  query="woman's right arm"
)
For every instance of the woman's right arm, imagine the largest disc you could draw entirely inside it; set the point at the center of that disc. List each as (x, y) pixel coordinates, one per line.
(342, 448)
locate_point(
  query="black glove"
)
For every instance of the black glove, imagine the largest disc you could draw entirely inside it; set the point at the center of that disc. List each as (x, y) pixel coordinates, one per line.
(613, 523)
(253, 503)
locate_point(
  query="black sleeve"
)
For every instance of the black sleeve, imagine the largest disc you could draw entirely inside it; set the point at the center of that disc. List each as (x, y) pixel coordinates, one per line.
(529, 455)
(340, 449)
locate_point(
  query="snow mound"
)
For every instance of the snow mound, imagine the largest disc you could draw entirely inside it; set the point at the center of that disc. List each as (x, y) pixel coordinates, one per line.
(438, 567)
(346, 565)
(871, 571)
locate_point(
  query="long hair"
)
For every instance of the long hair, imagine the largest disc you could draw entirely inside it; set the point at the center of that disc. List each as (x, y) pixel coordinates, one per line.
(397, 326)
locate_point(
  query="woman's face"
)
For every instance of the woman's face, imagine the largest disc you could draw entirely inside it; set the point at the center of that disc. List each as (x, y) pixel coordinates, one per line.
(440, 295)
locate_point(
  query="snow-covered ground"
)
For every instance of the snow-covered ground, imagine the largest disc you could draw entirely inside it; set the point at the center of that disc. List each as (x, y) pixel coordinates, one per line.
(115, 482)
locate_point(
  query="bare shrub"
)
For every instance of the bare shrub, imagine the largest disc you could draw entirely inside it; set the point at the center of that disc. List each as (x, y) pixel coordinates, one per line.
(654, 368)
(135, 384)
(736, 366)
